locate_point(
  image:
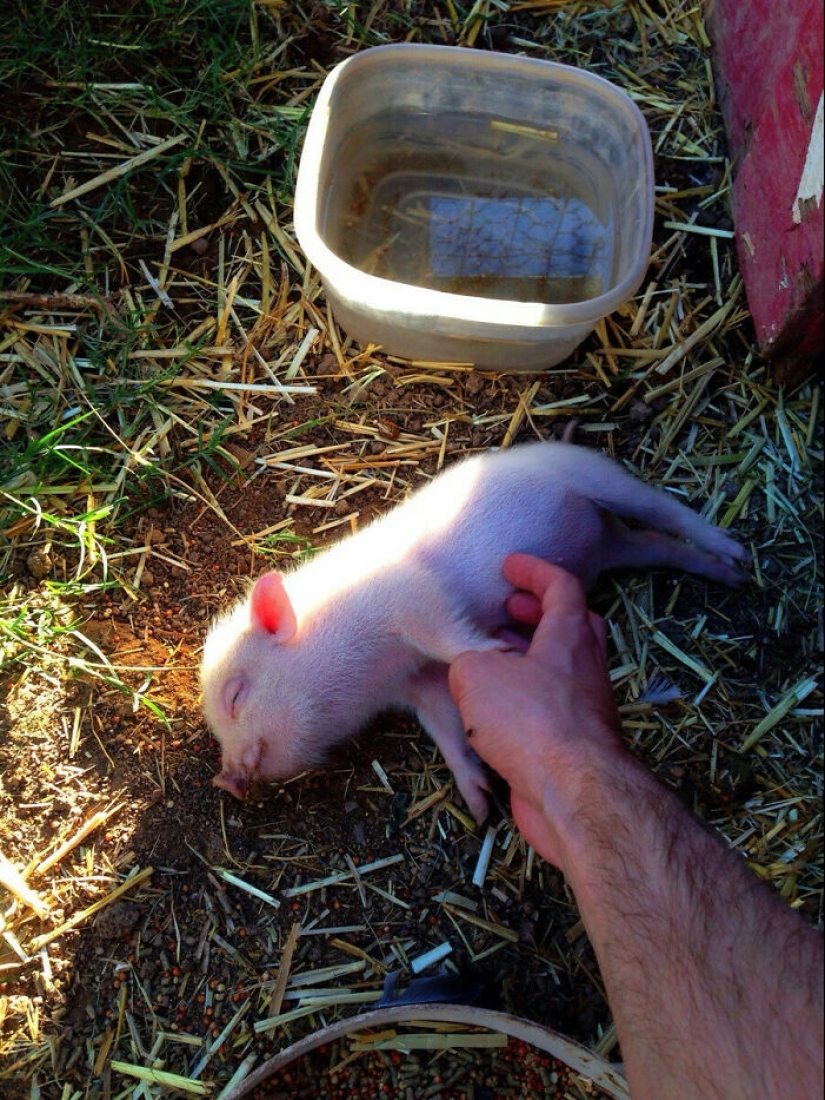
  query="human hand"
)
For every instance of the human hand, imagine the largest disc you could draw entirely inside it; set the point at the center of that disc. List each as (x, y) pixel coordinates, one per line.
(543, 720)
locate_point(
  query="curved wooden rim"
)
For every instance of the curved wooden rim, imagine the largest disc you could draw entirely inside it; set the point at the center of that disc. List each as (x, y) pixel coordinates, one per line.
(576, 1056)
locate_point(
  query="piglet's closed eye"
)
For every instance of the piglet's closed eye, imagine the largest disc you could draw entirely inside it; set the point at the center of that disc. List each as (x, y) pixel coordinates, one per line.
(270, 607)
(233, 695)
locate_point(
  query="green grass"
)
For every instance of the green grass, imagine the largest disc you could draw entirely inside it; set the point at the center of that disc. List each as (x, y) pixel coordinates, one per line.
(83, 87)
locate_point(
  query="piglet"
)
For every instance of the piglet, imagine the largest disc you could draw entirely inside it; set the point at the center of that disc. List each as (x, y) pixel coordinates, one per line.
(307, 658)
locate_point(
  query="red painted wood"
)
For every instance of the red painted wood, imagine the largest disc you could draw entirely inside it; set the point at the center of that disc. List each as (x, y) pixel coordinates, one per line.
(768, 64)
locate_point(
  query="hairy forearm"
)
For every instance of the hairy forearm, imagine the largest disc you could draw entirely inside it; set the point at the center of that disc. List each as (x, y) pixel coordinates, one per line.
(715, 984)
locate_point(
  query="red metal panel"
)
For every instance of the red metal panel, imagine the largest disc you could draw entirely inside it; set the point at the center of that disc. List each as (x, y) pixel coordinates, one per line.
(768, 63)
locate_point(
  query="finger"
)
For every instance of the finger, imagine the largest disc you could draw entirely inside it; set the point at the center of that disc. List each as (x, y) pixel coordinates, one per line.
(599, 628)
(560, 592)
(463, 674)
(476, 690)
(524, 608)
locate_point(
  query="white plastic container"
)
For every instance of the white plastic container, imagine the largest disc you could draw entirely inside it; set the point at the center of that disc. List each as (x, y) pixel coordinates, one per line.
(474, 207)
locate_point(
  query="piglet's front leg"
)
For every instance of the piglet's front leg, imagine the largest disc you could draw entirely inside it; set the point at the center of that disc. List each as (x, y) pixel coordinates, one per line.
(433, 622)
(429, 696)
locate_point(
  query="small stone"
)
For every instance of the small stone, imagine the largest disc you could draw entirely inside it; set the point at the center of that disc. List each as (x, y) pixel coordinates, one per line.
(117, 920)
(327, 364)
(39, 561)
(640, 412)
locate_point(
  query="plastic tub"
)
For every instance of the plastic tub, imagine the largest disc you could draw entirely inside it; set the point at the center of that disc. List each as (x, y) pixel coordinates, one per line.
(474, 207)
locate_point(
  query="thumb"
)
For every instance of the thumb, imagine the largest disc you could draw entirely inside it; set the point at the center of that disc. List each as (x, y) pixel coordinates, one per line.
(476, 681)
(465, 673)
(479, 685)
(486, 687)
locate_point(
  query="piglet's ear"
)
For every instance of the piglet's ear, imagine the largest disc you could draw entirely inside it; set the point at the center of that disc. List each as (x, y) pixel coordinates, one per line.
(271, 607)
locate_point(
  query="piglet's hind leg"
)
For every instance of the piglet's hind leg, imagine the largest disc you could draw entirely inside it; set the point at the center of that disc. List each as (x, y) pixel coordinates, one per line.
(429, 696)
(630, 549)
